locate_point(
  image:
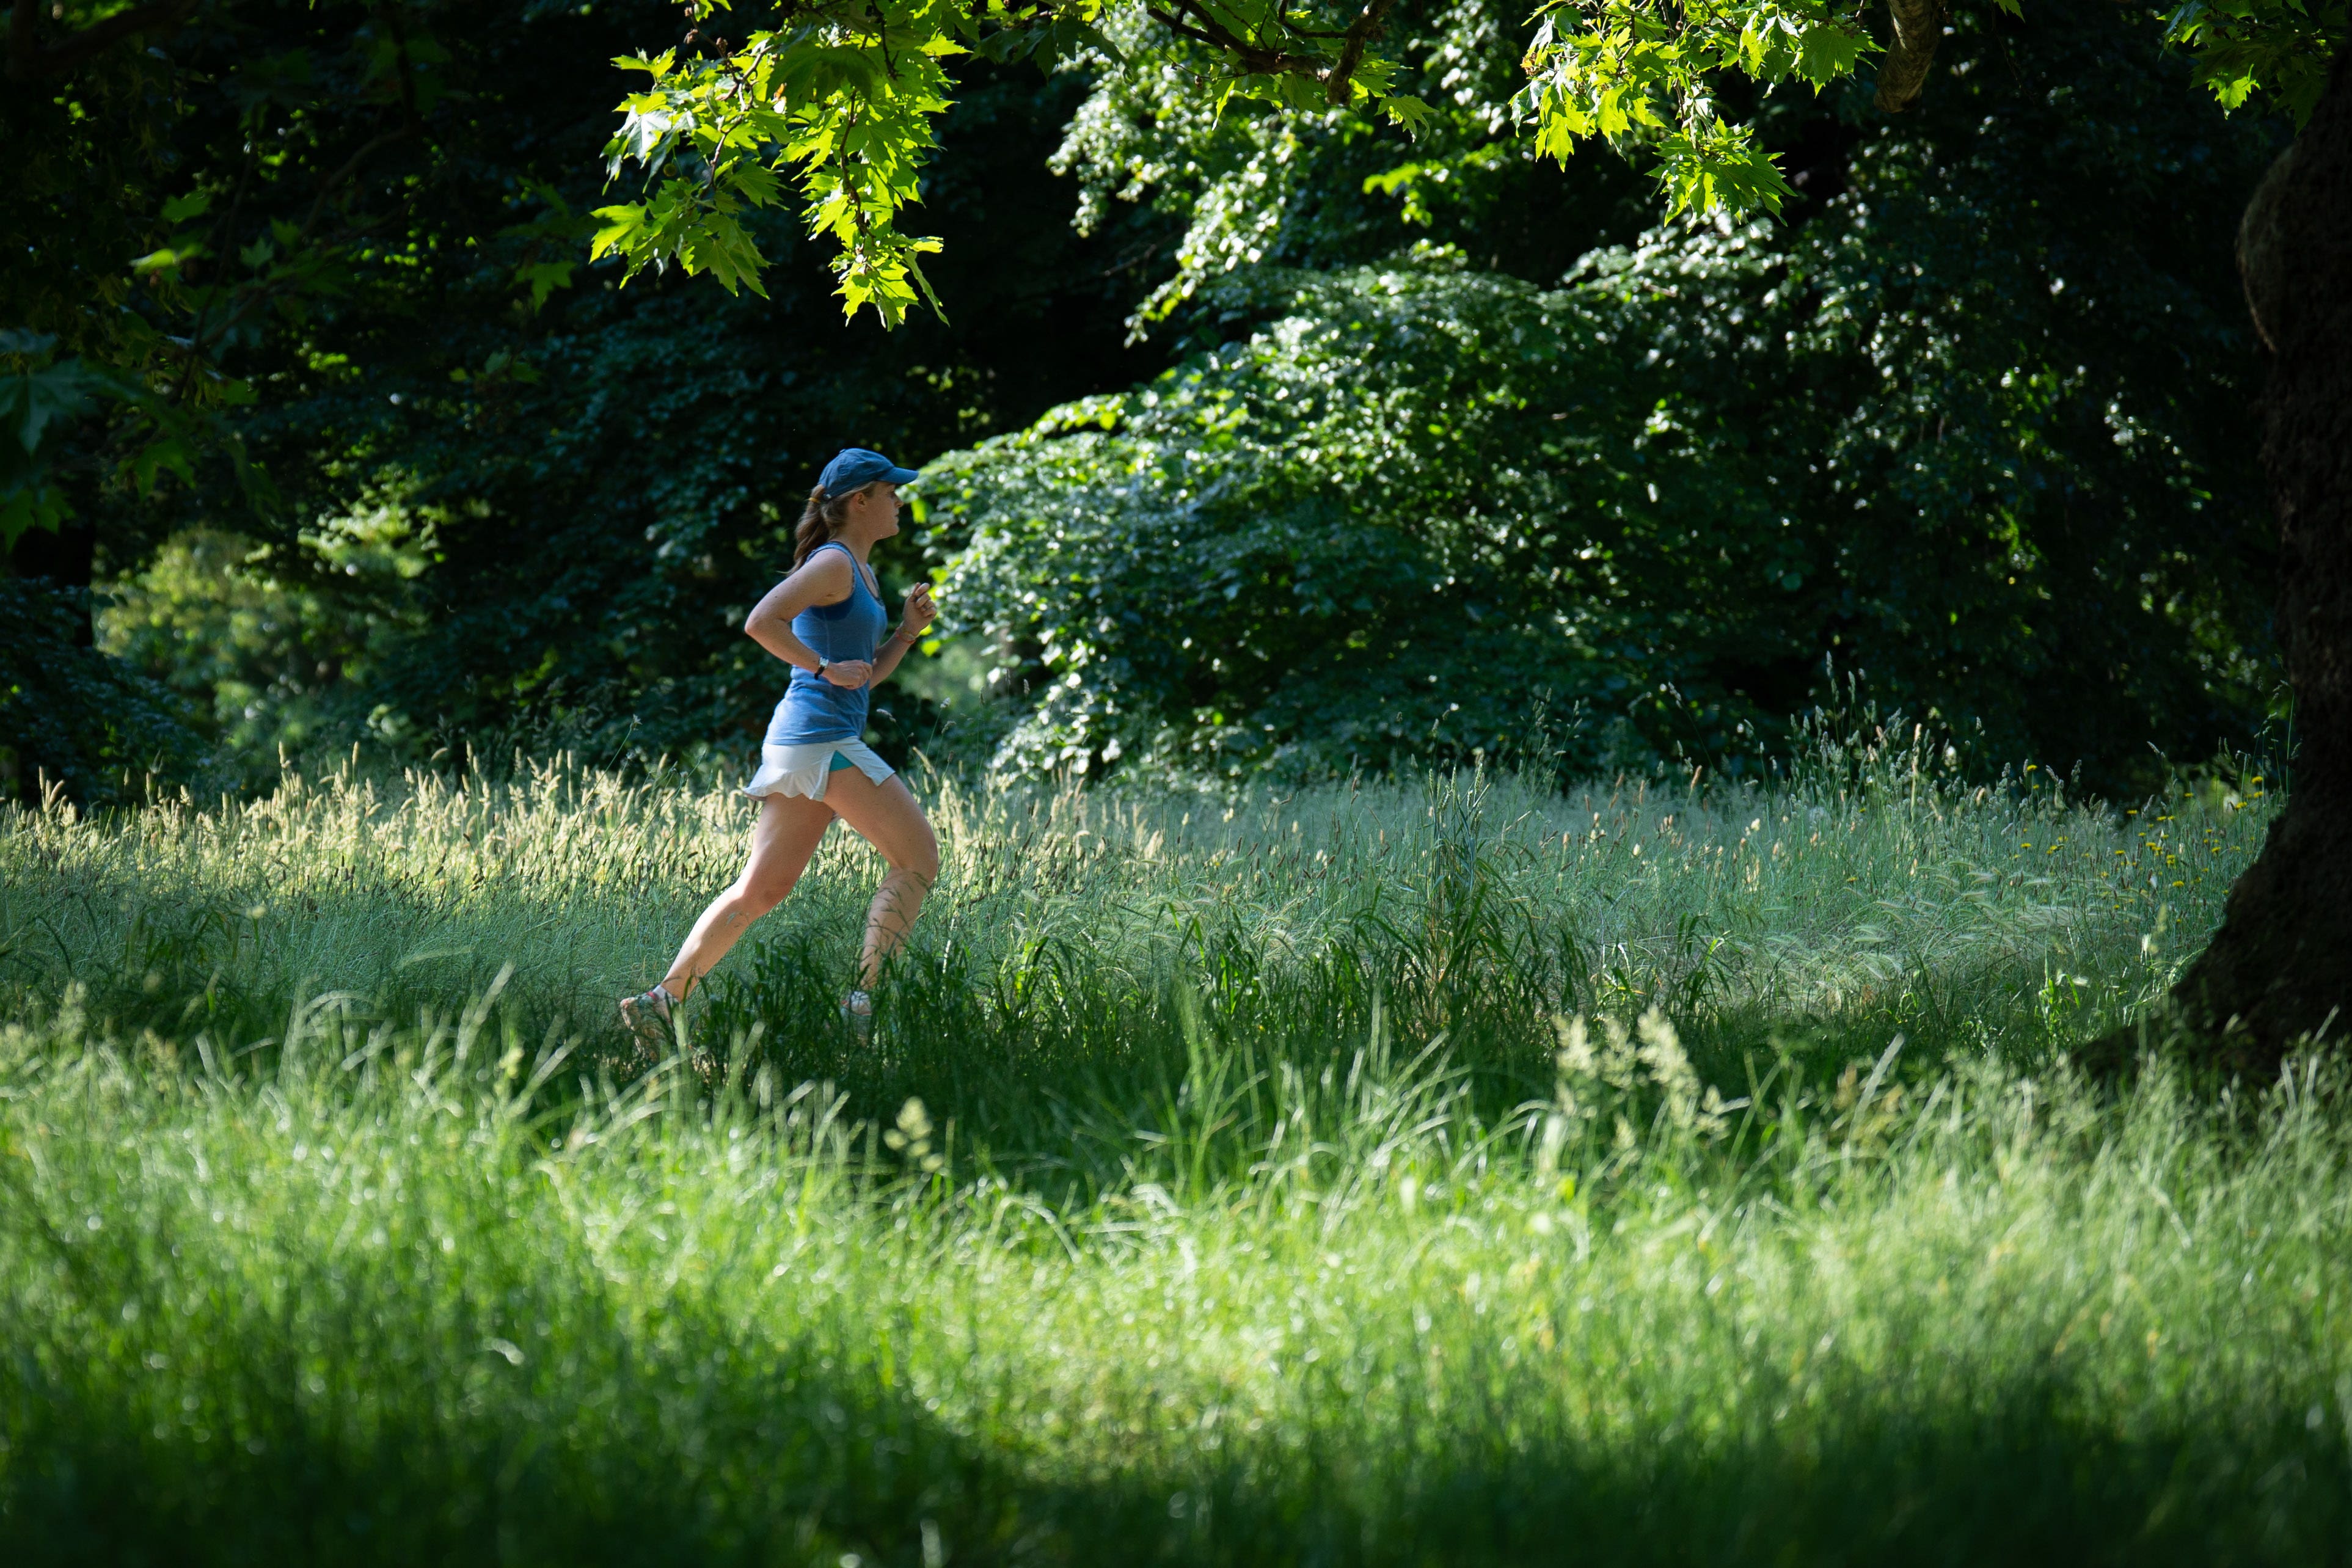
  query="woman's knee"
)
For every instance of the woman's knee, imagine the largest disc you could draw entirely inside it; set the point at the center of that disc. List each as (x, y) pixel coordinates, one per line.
(922, 861)
(755, 896)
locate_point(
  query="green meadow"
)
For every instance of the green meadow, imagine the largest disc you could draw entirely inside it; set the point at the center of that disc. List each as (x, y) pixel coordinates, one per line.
(1454, 1170)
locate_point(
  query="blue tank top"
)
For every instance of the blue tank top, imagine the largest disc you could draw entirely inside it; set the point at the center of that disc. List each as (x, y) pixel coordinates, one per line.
(814, 710)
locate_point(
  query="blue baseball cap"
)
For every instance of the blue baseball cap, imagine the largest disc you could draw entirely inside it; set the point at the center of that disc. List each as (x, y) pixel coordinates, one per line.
(855, 469)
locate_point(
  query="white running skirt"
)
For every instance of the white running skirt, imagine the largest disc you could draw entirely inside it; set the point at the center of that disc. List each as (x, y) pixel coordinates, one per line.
(804, 769)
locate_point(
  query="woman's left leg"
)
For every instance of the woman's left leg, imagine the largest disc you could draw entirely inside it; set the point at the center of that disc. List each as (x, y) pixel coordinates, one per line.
(782, 840)
(887, 817)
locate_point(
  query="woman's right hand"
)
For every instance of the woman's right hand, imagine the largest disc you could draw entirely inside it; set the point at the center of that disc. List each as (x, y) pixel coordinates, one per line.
(848, 674)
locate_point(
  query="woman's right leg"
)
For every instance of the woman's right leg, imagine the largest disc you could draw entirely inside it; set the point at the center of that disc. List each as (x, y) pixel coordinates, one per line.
(782, 840)
(887, 816)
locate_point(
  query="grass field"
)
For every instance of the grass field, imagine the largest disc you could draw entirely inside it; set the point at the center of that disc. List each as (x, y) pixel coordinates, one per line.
(1452, 1172)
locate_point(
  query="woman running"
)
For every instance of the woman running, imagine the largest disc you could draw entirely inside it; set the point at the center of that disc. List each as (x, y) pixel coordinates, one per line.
(826, 621)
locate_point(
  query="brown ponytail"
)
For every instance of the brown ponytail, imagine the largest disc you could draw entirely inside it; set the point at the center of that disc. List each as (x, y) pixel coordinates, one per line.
(820, 520)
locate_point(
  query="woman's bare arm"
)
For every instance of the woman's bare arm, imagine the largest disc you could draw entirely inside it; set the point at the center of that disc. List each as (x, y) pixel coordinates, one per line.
(822, 578)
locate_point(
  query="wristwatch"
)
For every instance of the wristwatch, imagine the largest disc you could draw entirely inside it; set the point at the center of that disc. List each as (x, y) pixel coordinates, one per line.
(818, 674)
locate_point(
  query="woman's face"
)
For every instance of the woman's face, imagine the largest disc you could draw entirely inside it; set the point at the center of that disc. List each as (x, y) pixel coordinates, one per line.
(874, 511)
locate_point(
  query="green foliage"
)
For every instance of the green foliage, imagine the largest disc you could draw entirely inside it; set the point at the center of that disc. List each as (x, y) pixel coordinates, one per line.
(1634, 74)
(35, 406)
(73, 720)
(843, 98)
(1323, 187)
(154, 433)
(847, 95)
(1649, 81)
(72, 342)
(206, 208)
(1271, 74)
(1262, 551)
(136, 280)
(2008, 479)
(283, 653)
(2274, 50)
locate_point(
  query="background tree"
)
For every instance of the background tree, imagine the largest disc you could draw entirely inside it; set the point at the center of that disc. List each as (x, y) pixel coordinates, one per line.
(2007, 477)
(2277, 969)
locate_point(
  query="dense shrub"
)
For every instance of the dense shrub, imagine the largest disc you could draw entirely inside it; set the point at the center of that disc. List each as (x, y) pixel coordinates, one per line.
(1974, 431)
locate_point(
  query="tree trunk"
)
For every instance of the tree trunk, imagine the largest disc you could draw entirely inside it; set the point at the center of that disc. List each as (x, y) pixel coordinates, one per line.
(2280, 968)
(69, 557)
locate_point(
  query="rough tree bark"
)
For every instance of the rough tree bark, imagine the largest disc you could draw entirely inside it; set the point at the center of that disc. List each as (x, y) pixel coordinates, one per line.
(2280, 968)
(1919, 29)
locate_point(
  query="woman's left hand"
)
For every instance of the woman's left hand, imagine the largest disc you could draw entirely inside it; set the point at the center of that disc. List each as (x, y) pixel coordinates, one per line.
(920, 611)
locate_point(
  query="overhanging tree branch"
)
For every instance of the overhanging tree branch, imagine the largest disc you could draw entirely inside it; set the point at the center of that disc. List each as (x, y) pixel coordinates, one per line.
(1194, 20)
(1365, 28)
(1253, 58)
(1918, 27)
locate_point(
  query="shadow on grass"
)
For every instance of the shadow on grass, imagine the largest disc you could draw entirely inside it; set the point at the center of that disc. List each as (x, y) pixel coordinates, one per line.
(692, 1444)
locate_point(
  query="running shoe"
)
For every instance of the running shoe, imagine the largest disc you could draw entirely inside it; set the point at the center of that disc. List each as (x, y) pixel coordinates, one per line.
(647, 1018)
(857, 1012)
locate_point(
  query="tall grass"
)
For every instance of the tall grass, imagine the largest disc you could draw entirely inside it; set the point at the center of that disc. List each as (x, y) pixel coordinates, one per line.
(1449, 1172)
